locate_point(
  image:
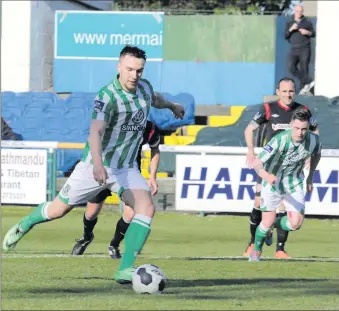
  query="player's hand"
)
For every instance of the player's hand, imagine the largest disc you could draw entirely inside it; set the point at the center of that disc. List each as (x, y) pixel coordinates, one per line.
(271, 179)
(250, 159)
(178, 111)
(152, 183)
(309, 184)
(303, 31)
(294, 27)
(100, 173)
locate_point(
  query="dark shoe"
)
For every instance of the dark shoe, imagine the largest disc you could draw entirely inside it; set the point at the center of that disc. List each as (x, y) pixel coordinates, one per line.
(81, 245)
(114, 252)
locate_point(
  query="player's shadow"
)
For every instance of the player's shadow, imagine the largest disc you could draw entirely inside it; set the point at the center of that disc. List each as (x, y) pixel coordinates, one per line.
(215, 289)
(230, 282)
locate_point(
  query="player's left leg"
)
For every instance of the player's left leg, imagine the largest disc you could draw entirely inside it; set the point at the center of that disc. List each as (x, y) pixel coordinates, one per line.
(120, 231)
(295, 207)
(135, 192)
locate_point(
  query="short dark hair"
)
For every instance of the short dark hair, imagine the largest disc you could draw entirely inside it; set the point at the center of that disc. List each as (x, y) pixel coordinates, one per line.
(133, 51)
(301, 114)
(285, 79)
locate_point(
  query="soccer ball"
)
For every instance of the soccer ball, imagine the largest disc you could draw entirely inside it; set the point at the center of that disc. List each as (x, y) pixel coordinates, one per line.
(148, 279)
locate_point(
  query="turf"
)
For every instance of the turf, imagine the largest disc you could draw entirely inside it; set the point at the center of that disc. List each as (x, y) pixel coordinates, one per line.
(199, 256)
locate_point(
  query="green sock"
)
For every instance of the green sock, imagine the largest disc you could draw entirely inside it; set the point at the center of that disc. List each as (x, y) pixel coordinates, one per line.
(36, 217)
(136, 236)
(285, 224)
(260, 235)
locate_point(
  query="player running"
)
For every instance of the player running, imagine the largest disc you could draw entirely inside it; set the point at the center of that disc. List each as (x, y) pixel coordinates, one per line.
(276, 117)
(109, 159)
(152, 138)
(281, 165)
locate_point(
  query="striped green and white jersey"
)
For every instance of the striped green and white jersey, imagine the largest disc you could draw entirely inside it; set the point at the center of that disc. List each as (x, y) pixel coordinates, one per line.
(286, 159)
(126, 116)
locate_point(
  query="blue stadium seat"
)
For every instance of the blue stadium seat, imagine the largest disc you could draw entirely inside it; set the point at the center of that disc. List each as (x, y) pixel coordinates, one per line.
(55, 113)
(12, 112)
(34, 112)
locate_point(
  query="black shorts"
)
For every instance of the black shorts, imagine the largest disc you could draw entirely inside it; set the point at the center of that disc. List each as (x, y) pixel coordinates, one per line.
(101, 196)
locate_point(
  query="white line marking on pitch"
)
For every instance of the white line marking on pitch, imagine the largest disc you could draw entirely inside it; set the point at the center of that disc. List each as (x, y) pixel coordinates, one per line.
(28, 256)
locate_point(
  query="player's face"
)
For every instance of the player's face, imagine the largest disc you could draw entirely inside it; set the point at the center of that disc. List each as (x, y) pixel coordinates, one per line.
(130, 69)
(286, 92)
(299, 130)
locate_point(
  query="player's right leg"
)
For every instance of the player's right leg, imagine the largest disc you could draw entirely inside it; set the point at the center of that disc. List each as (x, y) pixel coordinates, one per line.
(44, 212)
(79, 187)
(120, 231)
(255, 218)
(270, 201)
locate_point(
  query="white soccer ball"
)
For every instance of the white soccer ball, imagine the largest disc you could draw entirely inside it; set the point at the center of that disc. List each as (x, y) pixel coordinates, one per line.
(148, 279)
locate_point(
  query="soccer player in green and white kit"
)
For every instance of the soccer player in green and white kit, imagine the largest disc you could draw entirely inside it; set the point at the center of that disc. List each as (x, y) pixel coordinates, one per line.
(281, 164)
(109, 159)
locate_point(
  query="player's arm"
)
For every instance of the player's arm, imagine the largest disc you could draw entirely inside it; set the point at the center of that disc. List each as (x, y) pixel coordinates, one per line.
(155, 160)
(315, 159)
(258, 119)
(158, 101)
(266, 154)
(100, 117)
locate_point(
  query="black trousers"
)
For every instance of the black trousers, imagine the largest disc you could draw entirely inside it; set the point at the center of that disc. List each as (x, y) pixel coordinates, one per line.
(302, 57)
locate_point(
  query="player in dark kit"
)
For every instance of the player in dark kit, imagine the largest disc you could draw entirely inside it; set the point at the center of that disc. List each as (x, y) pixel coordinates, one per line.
(276, 117)
(151, 137)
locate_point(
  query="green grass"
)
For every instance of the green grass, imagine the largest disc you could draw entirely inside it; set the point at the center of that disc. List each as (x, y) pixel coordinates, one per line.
(85, 283)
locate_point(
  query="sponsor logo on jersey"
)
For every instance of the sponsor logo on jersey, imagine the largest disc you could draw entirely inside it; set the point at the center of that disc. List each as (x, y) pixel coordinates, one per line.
(296, 157)
(268, 148)
(275, 115)
(279, 126)
(132, 128)
(98, 105)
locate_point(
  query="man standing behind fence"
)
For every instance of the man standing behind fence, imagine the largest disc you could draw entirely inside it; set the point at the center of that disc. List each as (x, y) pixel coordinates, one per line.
(299, 31)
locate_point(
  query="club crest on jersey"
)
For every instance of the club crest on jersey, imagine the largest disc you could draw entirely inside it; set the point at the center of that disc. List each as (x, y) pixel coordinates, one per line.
(139, 117)
(268, 148)
(98, 105)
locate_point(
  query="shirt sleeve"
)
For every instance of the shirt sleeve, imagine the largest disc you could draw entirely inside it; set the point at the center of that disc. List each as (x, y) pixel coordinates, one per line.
(318, 147)
(103, 106)
(269, 150)
(154, 140)
(260, 116)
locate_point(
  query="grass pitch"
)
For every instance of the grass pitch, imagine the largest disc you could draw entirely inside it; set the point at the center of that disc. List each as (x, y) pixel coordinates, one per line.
(200, 256)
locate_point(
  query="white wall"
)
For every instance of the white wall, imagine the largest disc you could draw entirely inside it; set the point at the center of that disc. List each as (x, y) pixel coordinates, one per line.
(27, 43)
(327, 49)
(15, 45)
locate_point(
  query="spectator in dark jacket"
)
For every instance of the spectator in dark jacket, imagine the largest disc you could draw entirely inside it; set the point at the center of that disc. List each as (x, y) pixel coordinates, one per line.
(7, 133)
(299, 31)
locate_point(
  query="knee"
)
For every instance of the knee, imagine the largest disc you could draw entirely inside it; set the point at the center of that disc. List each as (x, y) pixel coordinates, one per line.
(147, 209)
(128, 213)
(93, 210)
(57, 209)
(296, 223)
